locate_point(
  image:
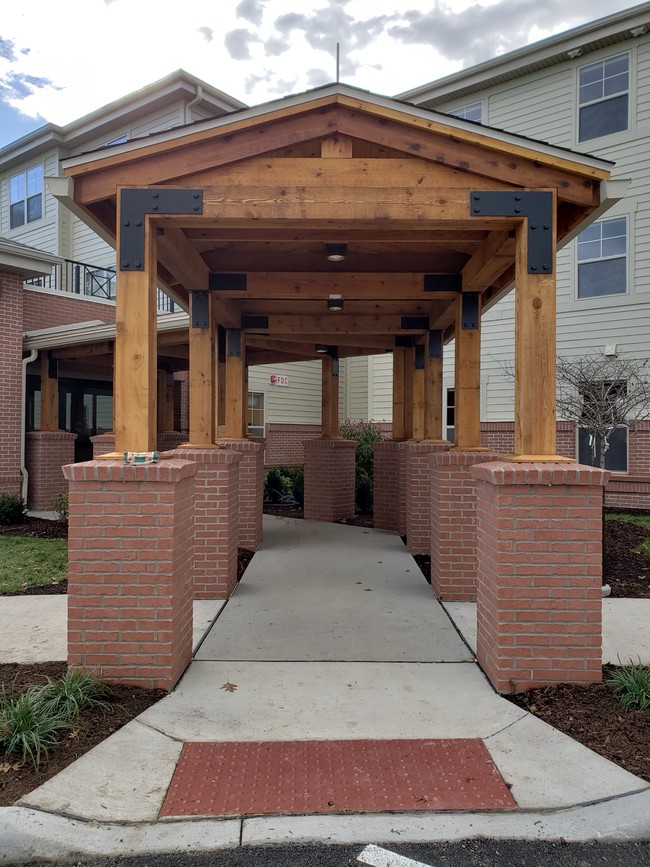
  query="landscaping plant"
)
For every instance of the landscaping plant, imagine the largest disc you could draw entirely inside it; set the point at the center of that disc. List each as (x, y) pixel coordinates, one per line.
(75, 691)
(366, 434)
(60, 507)
(632, 685)
(277, 484)
(27, 729)
(12, 509)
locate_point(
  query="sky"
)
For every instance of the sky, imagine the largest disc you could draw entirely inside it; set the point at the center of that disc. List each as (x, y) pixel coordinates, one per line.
(61, 60)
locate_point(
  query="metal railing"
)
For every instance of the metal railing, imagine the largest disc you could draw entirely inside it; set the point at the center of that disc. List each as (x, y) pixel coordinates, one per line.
(93, 281)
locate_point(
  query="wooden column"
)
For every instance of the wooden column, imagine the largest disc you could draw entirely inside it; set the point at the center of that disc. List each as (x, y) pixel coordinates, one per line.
(165, 401)
(202, 370)
(49, 394)
(467, 385)
(235, 384)
(409, 370)
(419, 392)
(399, 363)
(220, 380)
(535, 349)
(136, 382)
(433, 387)
(330, 397)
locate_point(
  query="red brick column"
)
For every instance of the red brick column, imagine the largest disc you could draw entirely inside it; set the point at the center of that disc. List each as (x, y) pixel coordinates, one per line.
(103, 444)
(386, 485)
(251, 490)
(329, 479)
(402, 469)
(130, 570)
(539, 551)
(216, 520)
(418, 493)
(11, 401)
(453, 523)
(46, 452)
(168, 440)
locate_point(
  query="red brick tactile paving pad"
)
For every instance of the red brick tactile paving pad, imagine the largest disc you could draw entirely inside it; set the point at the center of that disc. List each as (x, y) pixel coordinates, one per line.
(364, 776)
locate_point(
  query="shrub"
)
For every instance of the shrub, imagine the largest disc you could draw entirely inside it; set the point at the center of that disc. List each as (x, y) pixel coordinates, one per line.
(12, 509)
(366, 433)
(297, 476)
(277, 484)
(75, 691)
(632, 685)
(26, 727)
(60, 506)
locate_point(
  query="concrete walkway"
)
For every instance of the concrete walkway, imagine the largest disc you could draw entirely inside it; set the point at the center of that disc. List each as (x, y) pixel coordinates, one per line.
(332, 634)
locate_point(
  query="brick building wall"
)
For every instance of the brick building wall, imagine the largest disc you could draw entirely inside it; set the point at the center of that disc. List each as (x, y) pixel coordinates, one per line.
(48, 309)
(11, 328)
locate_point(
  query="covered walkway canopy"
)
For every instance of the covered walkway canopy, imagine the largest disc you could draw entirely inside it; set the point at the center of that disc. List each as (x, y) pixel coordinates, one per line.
(434, 218)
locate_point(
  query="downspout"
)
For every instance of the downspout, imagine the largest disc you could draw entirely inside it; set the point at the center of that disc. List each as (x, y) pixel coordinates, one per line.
(190, 105)
(33, 355)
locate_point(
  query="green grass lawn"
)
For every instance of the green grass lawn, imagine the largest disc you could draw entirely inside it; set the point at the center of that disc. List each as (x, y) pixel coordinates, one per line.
(640, 521)
(25, 561)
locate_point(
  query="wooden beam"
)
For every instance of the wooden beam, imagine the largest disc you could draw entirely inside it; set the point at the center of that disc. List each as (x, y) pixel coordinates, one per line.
(273, 285)
(49, 396)
(135, 382)
(408, 393)
(84, 350)
(328, 398)
(535, 348)
(419, 395)
(467, 383)
(201, 382)
(308, 306)
(433, 390)
(335, 323)
(249, 231)
(399, 365)
(490, 261)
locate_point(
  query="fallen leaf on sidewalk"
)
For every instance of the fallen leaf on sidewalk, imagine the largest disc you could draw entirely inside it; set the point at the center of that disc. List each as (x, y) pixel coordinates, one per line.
(228, 686)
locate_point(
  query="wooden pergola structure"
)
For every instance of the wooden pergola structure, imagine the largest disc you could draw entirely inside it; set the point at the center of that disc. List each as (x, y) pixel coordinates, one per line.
(434, 217)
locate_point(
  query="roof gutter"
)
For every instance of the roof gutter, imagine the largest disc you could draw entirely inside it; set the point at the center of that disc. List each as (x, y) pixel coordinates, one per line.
(33, 355)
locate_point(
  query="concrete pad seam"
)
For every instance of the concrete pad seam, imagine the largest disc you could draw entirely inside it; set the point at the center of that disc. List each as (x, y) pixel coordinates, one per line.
(524, 713)
(160, 731)
(207, 631)
(453, 623)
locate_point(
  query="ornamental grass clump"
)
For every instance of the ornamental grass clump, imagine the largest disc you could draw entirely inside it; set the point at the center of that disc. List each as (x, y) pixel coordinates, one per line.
(75, 691)
(632, 685)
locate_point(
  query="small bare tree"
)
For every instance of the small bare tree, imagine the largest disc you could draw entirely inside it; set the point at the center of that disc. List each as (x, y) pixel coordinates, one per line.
(600, 393)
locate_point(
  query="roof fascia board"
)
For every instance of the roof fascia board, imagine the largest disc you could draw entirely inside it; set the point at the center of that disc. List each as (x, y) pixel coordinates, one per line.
(481, 74)
(62, 189)
(353, 98)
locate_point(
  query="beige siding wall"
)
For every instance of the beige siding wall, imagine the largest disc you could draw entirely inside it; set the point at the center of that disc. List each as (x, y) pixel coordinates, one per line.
(43, 233)
(356, 402)
(380, 387)
(297, 403)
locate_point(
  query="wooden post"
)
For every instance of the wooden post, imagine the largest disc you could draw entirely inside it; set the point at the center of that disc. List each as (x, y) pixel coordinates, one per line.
(330, 397)
(408, 392)
(49, 395)
(201, 381)
(467, 383)
(433, 387)
(136, 381)
(220, 384)
(235, 385)
(419, 392)
(535, 349)
(399, 363)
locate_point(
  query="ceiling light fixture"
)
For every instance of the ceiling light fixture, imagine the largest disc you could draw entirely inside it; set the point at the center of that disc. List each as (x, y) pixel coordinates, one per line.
(335, 302)
(336, 252)
(323, 348)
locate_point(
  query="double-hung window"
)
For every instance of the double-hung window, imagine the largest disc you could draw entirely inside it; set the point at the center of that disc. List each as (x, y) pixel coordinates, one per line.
(602, 259)
(256, 413)
(26, 197)
(603, 101)
(470, 112)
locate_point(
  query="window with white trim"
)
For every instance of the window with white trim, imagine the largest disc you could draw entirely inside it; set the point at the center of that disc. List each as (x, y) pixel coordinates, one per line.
(256, 413)
(602, 259)
(26, 197)
(603, 97)
(474, 111)
(450, 415)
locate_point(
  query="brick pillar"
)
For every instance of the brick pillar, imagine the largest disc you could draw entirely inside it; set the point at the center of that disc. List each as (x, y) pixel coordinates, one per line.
(539, 548)
(168, 440)
(329, 479)
(130, 570)
(251, 489)
(386, 484)
(216, 520)
(46, 452)
(453, 523)
(11, 401)
(402, 469)
(418, 493)
(103, 444)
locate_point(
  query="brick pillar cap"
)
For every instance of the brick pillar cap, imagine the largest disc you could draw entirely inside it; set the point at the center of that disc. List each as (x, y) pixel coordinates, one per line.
(116, 471)
(508, 473)
(458, 457)
(51, 435)
(205, 455)
(324, 443)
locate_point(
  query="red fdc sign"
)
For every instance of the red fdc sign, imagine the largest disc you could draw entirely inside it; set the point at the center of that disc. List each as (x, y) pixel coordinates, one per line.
(278, 379)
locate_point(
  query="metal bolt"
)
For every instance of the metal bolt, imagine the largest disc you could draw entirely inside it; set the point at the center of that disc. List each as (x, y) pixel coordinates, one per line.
(477, 198)
(517, 210)
(137, 263)
(195, 207)
(547, 267)
(517, 198)
(533, 225)
(138, 222)
(195, 195)
(477, 210)
(125, 264)
(546, 226)
(126, 223)
(533, 267)
(155, 195)
(154, 207)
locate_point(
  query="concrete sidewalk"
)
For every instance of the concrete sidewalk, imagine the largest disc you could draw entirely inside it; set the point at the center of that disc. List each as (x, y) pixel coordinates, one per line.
(332, 635)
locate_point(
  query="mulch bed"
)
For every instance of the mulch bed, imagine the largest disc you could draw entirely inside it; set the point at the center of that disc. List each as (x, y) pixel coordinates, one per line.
(590, 714)
(91, 728)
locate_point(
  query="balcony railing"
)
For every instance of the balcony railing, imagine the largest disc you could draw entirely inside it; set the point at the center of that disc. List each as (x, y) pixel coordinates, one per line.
(79, 278)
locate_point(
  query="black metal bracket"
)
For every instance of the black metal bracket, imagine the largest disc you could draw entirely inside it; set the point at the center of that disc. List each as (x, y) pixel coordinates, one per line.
(233, 337)
(404, 341)
(200, 309)
(435, 344)
(419, 357)
(136, 204)
(469, 311)
(226, 282)
(415, 323)
(250, 320)
(443, 282)
(335, 366)
(537, 205)
(52, 366)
